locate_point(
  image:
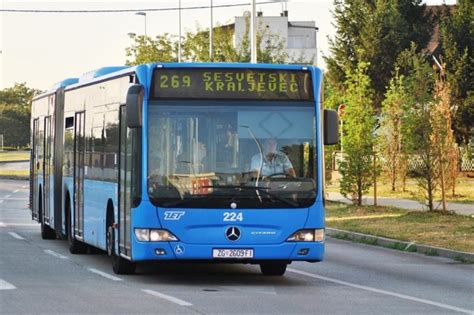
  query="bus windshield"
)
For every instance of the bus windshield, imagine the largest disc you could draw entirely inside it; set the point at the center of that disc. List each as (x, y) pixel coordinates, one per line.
(221, 154)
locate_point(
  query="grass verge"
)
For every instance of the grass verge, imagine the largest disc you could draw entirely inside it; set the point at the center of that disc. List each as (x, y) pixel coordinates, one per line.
(14, 156)
(449, 231)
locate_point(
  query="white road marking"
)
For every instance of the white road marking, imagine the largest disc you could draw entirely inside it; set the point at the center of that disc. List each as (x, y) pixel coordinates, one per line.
(6, 285)
(167, 297)
(1, 201)
(16, 191)
(12, 199)
(103, 274)
(401, 296)
(252, 290)
(2, 224)
(14, 235)
(25, 186)
(53, 253)
(7, 196)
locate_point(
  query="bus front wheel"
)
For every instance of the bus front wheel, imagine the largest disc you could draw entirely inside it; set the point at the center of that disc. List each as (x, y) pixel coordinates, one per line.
(120, 265)
(273, 269)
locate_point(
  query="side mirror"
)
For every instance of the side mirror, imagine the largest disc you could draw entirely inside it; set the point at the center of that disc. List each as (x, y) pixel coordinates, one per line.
(134, 103)
(331, 127)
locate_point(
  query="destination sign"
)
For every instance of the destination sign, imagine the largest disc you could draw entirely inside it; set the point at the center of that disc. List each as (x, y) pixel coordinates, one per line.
(250, 84)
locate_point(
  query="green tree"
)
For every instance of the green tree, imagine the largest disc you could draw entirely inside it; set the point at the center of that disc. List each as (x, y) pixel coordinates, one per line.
(418, 128)
(442, 136)
(392, 120)
(15, 109)
(359, 138)
(195, 47)
(457, 41)
(332, 98)
(145, 49)
(374, 32)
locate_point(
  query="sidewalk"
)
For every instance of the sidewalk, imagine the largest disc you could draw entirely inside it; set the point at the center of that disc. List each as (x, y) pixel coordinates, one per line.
(459, 208)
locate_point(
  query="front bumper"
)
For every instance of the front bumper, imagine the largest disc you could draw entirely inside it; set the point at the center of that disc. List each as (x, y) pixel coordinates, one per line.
(288, 251)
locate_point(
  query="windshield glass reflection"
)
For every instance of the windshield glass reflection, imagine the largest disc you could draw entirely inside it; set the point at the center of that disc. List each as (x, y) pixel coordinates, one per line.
(208, 155)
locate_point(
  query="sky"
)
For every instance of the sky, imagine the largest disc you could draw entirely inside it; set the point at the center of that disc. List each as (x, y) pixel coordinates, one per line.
(41, 49)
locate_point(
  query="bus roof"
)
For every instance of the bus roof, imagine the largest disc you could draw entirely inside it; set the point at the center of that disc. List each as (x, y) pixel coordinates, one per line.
(231, 65)
(64, 83)
(89, 76)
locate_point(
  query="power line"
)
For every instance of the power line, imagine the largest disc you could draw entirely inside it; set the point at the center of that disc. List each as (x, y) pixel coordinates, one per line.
(134, 10)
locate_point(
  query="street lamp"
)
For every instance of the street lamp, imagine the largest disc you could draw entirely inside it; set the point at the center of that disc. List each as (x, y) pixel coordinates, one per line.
(144, 15)
(131, 35)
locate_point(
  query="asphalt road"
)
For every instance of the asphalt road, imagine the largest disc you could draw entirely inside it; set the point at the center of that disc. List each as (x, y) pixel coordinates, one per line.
(41, 277)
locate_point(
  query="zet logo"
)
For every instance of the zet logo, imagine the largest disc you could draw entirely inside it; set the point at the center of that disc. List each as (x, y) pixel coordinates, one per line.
(173, 215)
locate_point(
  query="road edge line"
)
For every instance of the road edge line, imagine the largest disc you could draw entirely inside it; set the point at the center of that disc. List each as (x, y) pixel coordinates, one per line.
(380, 291)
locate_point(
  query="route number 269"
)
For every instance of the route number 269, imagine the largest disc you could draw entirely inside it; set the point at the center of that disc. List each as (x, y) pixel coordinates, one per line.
(233, 216)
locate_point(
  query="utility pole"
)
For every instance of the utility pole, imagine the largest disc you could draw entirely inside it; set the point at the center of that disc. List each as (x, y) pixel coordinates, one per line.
(375, 177)
(211, 36)
(253, 34)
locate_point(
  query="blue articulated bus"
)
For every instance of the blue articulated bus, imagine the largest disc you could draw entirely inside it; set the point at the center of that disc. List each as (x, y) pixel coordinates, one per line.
(184, 162)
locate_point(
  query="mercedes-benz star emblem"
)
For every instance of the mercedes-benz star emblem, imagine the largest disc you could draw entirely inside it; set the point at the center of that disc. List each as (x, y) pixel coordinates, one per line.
(232, 233)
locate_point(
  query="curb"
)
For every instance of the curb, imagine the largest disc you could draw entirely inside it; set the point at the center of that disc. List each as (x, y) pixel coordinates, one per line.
(13, 161)
(464, 257)
(14, 177)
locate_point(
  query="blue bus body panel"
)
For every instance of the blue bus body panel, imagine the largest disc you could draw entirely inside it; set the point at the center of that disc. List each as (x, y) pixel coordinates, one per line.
(201, 230)
(96, 196)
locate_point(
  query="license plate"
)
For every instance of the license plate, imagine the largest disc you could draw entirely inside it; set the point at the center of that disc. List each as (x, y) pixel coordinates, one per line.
(232, 253)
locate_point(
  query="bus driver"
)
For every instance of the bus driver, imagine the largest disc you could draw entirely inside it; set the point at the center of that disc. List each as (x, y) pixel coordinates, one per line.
(274, 162)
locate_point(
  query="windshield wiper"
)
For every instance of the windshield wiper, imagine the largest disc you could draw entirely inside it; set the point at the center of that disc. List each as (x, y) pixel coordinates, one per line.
(257, 189)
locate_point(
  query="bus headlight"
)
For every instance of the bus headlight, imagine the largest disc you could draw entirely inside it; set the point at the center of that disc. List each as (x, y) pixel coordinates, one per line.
(154, 235)
(143, 235)
(316, 235)
(161, 236)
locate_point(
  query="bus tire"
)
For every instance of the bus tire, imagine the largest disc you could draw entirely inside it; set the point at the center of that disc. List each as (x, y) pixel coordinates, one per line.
(121, 266)
(75, 246)
(273, 269)
(47, 233)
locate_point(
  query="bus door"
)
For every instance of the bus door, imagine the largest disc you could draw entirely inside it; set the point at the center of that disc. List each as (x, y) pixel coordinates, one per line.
(47, 169)
(35, 169)
(125, 184)
(79, 148)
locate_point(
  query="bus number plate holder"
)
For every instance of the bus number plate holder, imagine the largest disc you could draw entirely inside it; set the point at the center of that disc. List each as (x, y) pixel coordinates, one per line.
(232, 253)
